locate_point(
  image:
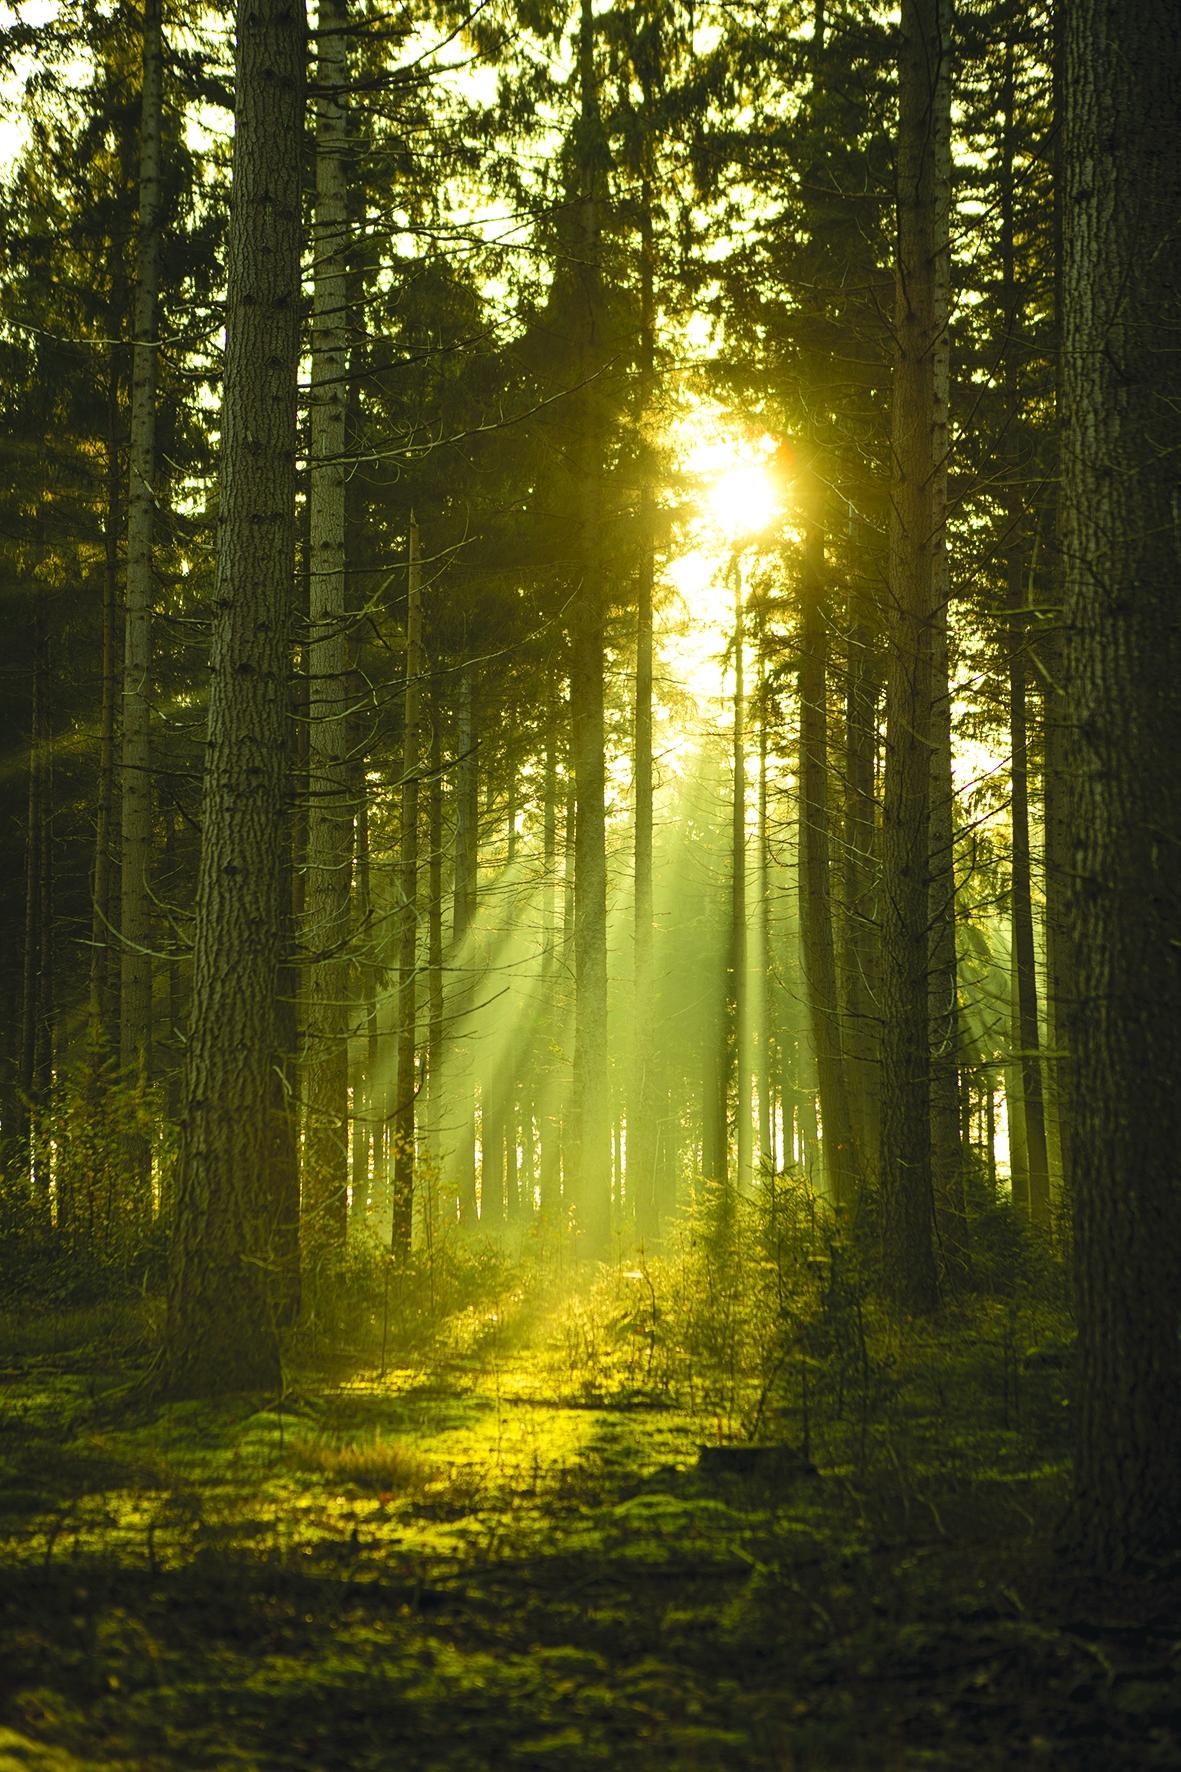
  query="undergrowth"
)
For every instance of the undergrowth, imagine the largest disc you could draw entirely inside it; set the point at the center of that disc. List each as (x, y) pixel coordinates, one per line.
(701, 1508)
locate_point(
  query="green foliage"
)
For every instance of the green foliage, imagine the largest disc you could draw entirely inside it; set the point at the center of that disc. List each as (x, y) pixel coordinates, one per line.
(83, 1238)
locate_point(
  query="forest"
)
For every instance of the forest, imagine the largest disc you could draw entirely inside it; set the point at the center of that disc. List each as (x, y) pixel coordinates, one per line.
(590, 952)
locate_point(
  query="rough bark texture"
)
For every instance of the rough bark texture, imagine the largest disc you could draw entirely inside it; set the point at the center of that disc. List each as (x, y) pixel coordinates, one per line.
(35, 1063)
(1031, 1190)
(434, 1046)
(739, 1004)
(220, 1331)
(135, 990)
(947, 1151)
(915, 535)
(592, 1109)
(860, 954)
(817, 948)
(407, 1079)
(463, 911)
(104, 974)
(330, 789)
(1122, 410)
(644, 1195)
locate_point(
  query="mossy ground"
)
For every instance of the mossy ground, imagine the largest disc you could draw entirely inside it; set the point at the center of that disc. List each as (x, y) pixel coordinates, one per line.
(500, 1551)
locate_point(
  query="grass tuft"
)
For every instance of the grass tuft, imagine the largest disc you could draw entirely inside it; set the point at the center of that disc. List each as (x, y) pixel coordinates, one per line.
(377, 1462)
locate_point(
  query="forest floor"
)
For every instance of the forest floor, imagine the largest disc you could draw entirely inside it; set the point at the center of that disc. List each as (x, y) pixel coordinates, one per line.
(506, 1550)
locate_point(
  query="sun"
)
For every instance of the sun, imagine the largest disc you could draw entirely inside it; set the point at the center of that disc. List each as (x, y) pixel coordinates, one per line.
(741, 501)
(738, 495)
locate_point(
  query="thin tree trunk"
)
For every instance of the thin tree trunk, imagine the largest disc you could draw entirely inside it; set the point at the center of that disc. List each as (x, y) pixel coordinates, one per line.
(30, 1104)
(641, 1150)
(817, 951)
(860, 970)
(592, 1110)
(330, 787)
(404, 1110)
(368, 1184)
(104, 974)
(434, 1045)
(550, 1171)
(768, 1155)
(947, 1152)
(463, 894)
(135, 922)
(1026, 1033)
(739, 1007)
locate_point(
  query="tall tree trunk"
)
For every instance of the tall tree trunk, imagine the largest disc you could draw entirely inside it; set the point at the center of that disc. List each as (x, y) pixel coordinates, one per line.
(739, 1005)
(947, 1151)
(463, 911)
(104, 974)
(1059, 969)
(817, 951)
(407, 1082)
(330, 786)
(860, 968)
(916, 537)
(434, 1046)
(135, 993)
(1122, 407)
(641, 1111)
(35, 991)
(368, 1182)
(1057, 740)
(220, 1329)
(592, 1106)
(550, 1168)
(1026, 1034)
(768, 1156)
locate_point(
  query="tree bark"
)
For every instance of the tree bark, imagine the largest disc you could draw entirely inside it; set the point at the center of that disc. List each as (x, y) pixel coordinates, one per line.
(739, 1004)
(135, 991)
(1122, 441)
(407, 1072)
(817, 949)
(1029, 1105)
(591, 1152)
(220, 1331)
(330, 790)
(947, 1150)
(860, 956)
(104, 972)
(434, 1046)
(916, 535)
(641, 1111)
(463, 910)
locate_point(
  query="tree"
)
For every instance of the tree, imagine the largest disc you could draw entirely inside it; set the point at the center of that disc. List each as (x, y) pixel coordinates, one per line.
(135, 981)
(916, 540)
(330, 787)
(220, 1332)
(592, 1100)
(1121, 375)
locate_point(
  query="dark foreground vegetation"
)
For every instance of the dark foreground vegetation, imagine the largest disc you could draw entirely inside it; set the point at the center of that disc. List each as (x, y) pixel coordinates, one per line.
(711, 1511)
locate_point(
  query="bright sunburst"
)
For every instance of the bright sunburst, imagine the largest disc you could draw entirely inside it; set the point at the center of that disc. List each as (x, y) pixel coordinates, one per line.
(741, 501)
(734, 510)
